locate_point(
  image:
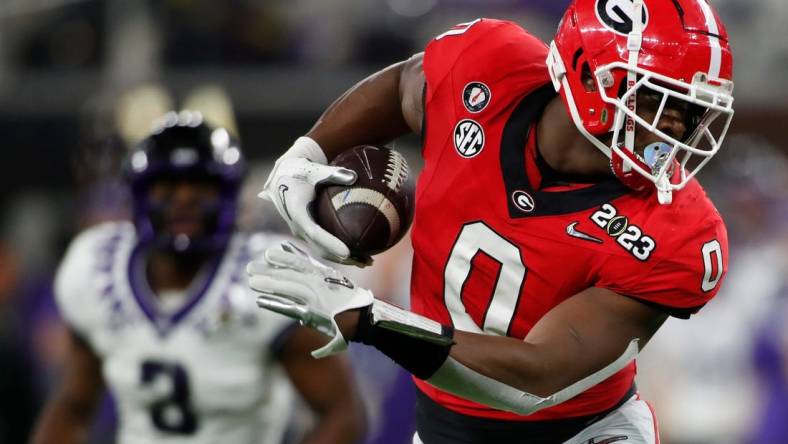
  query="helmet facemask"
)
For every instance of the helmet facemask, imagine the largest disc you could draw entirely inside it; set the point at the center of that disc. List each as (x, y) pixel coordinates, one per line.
(675, 162)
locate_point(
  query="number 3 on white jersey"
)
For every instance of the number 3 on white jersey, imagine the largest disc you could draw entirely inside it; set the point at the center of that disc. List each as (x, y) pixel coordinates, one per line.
(458, 29)
(473, 238)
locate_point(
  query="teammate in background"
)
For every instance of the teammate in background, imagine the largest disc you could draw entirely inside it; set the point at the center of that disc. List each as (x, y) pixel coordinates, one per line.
(554, 232)
(160, 313)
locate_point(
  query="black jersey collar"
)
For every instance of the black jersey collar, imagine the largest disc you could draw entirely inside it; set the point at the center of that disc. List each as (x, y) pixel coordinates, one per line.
(545, 203)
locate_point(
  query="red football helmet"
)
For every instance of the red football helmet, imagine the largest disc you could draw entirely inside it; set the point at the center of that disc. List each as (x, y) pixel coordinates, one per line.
(676, 49)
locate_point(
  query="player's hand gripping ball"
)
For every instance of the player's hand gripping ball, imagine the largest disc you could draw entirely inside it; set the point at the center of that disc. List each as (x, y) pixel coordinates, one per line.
(376, 211)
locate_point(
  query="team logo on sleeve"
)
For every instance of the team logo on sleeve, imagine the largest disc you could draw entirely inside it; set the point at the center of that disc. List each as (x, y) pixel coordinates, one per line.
(468, 138)
(619, 15)
(476, 96)
(629, 236)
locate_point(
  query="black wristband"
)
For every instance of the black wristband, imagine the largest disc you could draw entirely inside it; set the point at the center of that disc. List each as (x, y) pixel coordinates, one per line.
(417, 356)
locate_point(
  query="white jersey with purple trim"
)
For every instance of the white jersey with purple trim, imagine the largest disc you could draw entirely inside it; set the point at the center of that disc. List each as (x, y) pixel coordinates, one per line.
(202, 371)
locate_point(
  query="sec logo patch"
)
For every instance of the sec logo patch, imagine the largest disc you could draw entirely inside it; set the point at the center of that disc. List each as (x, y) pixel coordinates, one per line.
(468, 138)
(476, 96)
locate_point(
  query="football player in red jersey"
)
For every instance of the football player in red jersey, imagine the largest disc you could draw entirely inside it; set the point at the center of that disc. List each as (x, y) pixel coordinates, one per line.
(554, 232)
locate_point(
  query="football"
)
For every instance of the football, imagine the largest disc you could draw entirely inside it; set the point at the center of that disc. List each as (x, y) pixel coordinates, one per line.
(376, 211)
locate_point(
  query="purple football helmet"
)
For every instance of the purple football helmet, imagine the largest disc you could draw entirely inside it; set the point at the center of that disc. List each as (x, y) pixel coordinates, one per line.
(183, 146)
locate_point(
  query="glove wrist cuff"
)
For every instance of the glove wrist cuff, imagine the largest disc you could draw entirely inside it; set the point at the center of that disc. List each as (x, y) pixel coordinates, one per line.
(362, 299)
(308, 148)
(336, 345)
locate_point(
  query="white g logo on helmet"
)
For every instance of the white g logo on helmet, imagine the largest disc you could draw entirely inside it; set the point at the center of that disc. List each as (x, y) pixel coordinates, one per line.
(619, 15)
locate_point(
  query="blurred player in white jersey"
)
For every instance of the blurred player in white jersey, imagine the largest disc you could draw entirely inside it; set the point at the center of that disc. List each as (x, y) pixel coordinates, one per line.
(159, 314)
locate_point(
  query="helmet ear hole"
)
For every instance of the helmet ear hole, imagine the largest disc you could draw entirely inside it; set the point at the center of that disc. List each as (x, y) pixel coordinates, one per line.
(587, 79)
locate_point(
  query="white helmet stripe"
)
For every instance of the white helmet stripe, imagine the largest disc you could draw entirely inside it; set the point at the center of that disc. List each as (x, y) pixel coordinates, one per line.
(714, 41)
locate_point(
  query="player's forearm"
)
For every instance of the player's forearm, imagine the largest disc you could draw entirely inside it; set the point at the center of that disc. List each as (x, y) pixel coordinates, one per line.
(64, 421)
(562, 348)
(343, 422)
(521, 365)
(575, 346)
(555, 362)
(520, 377)
(505, 359)
(591, 332)
(368, 113)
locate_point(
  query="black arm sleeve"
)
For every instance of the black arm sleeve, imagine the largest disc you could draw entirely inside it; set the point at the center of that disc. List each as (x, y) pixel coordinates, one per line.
(417, 356)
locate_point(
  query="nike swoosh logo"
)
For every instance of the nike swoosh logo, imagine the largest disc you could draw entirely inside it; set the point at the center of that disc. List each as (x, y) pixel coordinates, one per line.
(345, 282)
(282, 189)
(570, 230)
(608, 439)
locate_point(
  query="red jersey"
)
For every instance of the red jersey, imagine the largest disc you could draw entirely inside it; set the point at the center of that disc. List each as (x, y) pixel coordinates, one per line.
(499, 242)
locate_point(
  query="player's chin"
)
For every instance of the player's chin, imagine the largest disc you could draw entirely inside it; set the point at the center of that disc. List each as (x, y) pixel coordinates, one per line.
(186, 228)
(641, 144)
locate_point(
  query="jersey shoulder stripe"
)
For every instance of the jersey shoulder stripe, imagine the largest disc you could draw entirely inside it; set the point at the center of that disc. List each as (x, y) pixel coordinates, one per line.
(91, 251)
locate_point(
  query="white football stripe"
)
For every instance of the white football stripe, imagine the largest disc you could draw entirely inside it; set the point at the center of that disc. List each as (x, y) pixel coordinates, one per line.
(714, 41)
(372, 198)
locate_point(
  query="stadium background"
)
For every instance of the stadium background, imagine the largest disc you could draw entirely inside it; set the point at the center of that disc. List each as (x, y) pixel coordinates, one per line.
(81, 79)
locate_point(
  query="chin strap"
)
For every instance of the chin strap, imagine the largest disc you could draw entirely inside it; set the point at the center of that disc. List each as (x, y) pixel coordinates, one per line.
(634, 43)
(656, 156)
(664, 193)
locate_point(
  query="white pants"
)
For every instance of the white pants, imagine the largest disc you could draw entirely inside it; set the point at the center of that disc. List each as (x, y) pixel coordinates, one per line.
(632, 423)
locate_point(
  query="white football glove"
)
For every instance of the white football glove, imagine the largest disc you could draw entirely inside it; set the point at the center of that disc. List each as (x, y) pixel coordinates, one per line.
(292, 283)
(291, 188)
